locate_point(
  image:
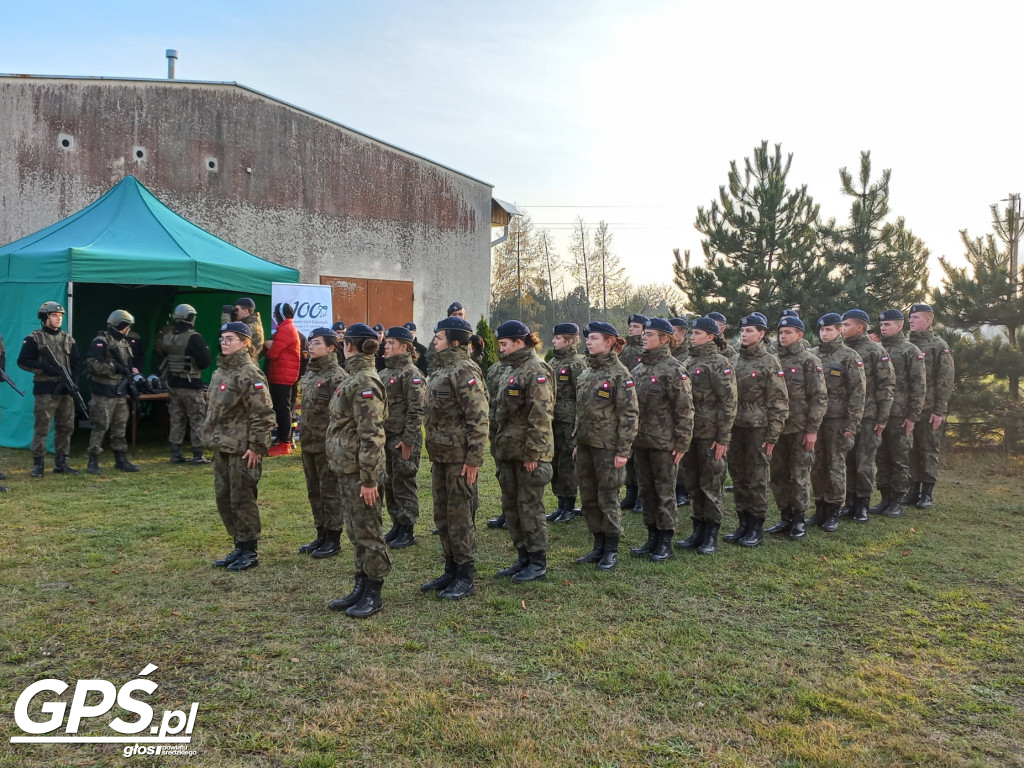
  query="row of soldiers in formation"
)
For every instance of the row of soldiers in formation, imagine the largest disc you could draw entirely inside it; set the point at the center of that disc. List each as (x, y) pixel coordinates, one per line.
(690, 408)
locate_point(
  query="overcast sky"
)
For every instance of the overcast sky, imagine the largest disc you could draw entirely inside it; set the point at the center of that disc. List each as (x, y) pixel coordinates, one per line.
(627, 112)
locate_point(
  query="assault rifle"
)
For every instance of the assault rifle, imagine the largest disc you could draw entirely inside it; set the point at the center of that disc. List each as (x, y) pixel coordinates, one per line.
(68, 382)
(127, 385)
(8, 380)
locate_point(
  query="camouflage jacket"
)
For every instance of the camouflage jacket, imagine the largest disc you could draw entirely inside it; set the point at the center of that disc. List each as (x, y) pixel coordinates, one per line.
(911, 380)
(682, 351)
(109, 355)
(493, 379)
(762, 399)
(844, 378)
(665, 400)
(630, 354)
(606, 406)
(714, 393)
(938, 363)
(455, 415)
(323, 376)
(808, 395)
(355, 436)
(526, 408)
(239, 415)
(567, 364)
(879, 378)
(405, 387)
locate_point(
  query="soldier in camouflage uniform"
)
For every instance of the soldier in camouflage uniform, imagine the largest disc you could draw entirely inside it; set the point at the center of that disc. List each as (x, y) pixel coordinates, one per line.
(238, 423)
(762, 401)
(568, 364)
(893, 457)
(630, 357)
(182, 355)
(844, 379)
(880, 388)
(794, 453)
(663, 435)
(109, 363)
(405, 388)
(244, 311)
(524, 445)
(494, 378)
(53, 403)
(323, 376)
(730, 351)
(938, 361)
(606, 424)
(456, 424)
(681, 351)
(355, 448)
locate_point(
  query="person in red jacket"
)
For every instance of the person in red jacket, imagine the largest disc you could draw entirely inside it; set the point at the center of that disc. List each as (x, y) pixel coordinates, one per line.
(284, 357)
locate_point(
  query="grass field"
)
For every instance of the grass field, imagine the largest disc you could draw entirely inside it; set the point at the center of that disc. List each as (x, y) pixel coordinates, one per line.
(896, 643)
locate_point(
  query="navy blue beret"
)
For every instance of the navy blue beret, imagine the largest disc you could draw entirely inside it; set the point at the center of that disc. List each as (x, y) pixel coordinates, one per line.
(600, 327)
(566, 329)
(453, 324)
(360, 331)
(830, 318)
(679, 322)
(399, 332)
(638, 319)
(921, 308)
(857, 314)
(754, 320)
(791, 321)
(717, 317)
(891, 314)
(242, 329)
(339, 326)
(512, 329)
(706, 324)
(410, 326)
(454, 307)
(659, 324)
(326, 333)
(246, 302)
(789, 313)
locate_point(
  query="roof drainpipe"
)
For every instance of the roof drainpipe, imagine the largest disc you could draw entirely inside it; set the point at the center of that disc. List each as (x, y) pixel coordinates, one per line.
(501, 239)
(172, 58)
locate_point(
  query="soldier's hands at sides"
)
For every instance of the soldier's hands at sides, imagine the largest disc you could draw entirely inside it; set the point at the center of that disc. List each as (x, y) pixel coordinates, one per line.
(469, 473)
(406, 450)
(369, 495)
(768, 448)
(810, 440)
(879, 429)
(677, 456)
(848, 435)
(908, 427)
(251, 458)
(935, 420)
(719, 450)
(620, 461)
(530, 466)
(574, 454)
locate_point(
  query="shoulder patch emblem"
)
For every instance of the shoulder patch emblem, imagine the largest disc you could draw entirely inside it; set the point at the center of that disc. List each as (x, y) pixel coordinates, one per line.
(564, 370)
(818, 368)
(417, 380)
(726, 371)
(223, 387)
(921, 356)
(654, 379)
(367, 394)
(683, 376)
(783, 373)
(542, 379)
(512, 380)
(753, 374)
(391, 380)
(606, 385)
(319, 384)
(629, 383)
(697, 372)
(946, 351)
(885, 359)
(860, 363)
(258, 385)
(471, 382)
(793, 370)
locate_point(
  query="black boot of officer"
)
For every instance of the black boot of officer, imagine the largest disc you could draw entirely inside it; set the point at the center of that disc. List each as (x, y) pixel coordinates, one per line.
(230, 557)
(594, 555)
(248, 559)
(696, 538)
(369, 602)
(121, 462)
(198, 458)
(404, 538)
(742, 529)
(710, 543)
(755, 533)
(391, 534)
(682, 497)
(566, 509)
(831, 524)
(785, 523)
(497, 522)
(462, 586)
(799, 527)
(37, 466)
(517, 566)
(536, 568)
(895, 509)
(60, 465)
(315, 544)
(884, 503)
(925, 500)
(330, 547)
(630, 499)
(344, 603)
(610, 556)
(93, 467)
(912, 495)
(847, 507)
(176, 457)
(645, 549)
(662, 549)
(820, 513)
(442, 581)
(859, 511)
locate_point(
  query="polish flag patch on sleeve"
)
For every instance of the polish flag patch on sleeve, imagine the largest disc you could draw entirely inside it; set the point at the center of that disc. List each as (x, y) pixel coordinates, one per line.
(542, 379)
(417, 380)
(258, 385)
(860, 363)
(471, 382)
(726, 371)
(783, 373)
(629, 383)
(921, 356)
(367, 394)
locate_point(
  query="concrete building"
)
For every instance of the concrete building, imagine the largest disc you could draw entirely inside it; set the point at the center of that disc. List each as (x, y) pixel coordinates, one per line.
(397, 235)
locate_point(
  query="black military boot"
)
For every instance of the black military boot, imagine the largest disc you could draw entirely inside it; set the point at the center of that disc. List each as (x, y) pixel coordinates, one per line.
(831, 524)
(369, 602)
(820, 513)
(352, 597)
(392, 533)
(567, 506)
(884, 503)
(798, 528)
(94, 464)
(629, 501)
(404, 538)
(859, 512)
(610, 557)
(315, 544)
(248, 559)
(121, 462)
(536, 568)
(176, 457)
(517, 566)
(710, 543)
(462, 585)
(847, 507)
(37, 466)
(682, 497)
(497, 522)
(741, 529)
(639, 506)
(330, 547)
(662, 549)
(645, 549)
(912, 495)
(695, 538)
(784, 525)
(755, 534)
(198, 458)
(594, 555)
(60, 465)
(925, 500)
(895, 508)
(230, 557)
(442, 581)
(557, 512)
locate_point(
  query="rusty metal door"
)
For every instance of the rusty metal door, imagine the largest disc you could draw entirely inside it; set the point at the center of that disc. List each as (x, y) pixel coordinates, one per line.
(348, 295)
(362, 300)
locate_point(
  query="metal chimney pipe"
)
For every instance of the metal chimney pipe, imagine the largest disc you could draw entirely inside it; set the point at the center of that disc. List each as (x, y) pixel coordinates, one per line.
(172, 58)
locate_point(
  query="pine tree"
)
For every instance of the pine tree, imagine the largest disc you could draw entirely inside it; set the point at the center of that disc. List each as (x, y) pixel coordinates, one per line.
(483, 330)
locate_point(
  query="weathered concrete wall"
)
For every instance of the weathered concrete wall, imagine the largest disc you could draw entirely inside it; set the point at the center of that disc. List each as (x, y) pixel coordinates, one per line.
(279, 182)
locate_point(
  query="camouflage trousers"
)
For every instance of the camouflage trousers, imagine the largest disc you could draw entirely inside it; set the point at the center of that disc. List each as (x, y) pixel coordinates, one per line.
(656, 476)
(322, 491)
(704, 477)
(791, 474)
(893, 458)
(522, 503)
(453, 511)
(59, 409)
(563, 466)
(400, 491)
(748, 465)
(108, 413)
(599, 483)
(363, 526)
(235, 485)
(631, 472)
(186, 407)
(860, 462)
(828, 472)
(924, 455)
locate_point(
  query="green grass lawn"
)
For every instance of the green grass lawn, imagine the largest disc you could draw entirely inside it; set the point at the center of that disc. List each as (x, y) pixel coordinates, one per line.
(896, 643)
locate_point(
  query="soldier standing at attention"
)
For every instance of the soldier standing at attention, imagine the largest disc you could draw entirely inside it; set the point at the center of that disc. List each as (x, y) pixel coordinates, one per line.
(244, 311)
(355, 446)
(323, 376)
(568, 364)
(606, 424)
(844, 379)
(524, 446)
(663, 435)
(456, 424)
(762, 402)
(630, 357)
(52, 400)
(494, 378)
(339, 332)
(730, 350)
(109, 362)
(680, 352)
(893, 458)
(880, 387)
(183, 357)
(794, 453)
(405, 388)
(938, 361)
(238, 423)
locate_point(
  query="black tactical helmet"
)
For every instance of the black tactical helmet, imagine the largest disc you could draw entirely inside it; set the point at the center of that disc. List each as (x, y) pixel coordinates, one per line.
(119, 319)
(48, 308)
(185, 313)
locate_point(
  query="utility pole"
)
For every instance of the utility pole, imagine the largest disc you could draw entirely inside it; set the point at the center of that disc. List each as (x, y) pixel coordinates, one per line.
(519, 275)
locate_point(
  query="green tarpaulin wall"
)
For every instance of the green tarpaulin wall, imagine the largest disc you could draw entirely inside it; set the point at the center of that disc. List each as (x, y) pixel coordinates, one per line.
(125, 251)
